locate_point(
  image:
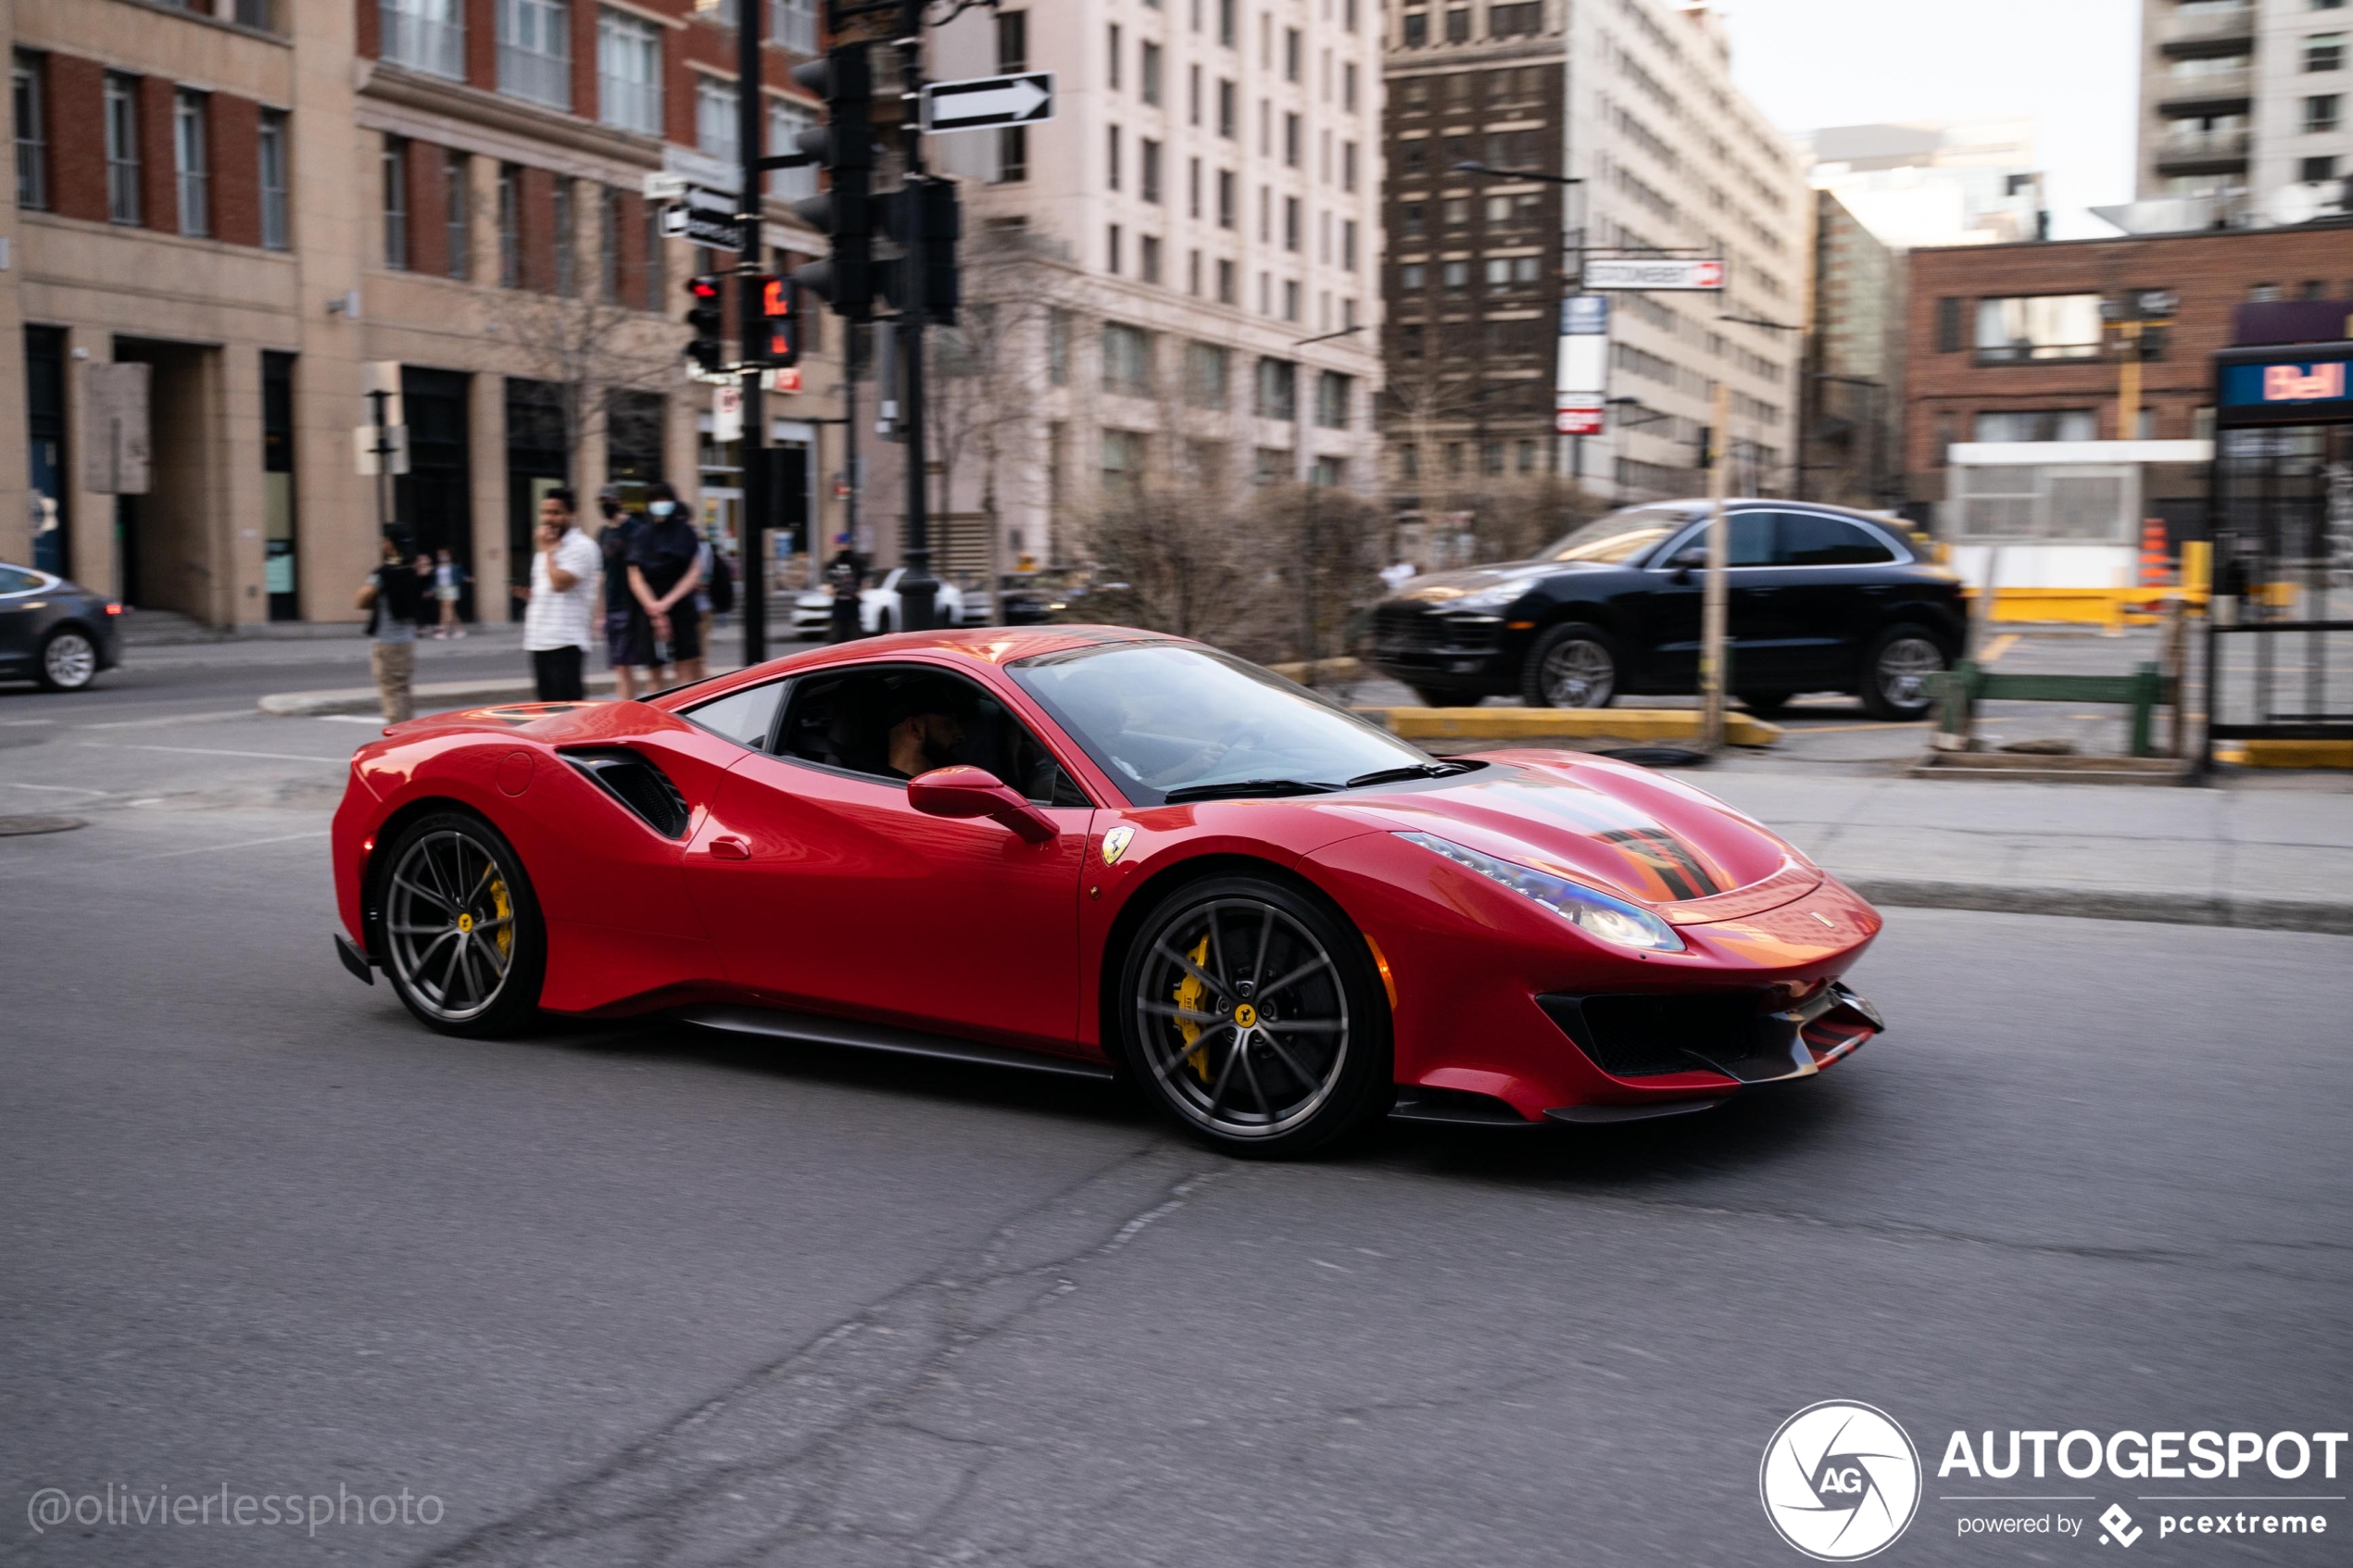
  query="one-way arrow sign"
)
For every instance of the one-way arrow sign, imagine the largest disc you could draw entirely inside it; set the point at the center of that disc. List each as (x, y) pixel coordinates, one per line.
(985, 101)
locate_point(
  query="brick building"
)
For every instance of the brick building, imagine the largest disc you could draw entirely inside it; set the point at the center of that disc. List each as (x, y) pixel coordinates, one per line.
(2009, 343)
(256, 197)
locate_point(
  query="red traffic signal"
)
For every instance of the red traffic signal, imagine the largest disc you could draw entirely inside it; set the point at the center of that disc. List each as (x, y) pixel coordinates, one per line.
(772, 320)
(705, 322)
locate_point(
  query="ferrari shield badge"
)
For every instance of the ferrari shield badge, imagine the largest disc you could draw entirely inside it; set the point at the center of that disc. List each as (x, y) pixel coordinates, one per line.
(1116, 843)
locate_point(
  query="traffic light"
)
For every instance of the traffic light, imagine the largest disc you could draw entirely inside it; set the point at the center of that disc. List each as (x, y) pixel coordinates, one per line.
(772, 320)
(932, 204)
(844, 149)
(706, 321)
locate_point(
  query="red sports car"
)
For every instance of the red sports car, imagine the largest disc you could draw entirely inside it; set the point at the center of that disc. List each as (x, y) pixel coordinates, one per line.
(1101, 851)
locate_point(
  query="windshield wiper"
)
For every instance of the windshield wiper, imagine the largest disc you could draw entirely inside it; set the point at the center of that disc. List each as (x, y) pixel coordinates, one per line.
(1411, 770)
(1247, 786)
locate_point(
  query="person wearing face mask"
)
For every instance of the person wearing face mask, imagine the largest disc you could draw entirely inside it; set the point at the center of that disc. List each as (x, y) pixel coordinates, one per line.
(664, 569)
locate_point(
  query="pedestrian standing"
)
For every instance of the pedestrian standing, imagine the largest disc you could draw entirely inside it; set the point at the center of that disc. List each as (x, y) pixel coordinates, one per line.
(664, 569)
(448, 580)
(394, 596)
(428, 609)
(844, 575)
(562, 598)
(623, 618)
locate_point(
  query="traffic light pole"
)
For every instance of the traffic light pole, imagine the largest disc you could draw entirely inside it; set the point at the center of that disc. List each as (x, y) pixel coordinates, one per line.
(751, 108)
(918, 588)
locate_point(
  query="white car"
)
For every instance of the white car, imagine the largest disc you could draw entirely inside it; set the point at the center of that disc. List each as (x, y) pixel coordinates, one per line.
(878, 607)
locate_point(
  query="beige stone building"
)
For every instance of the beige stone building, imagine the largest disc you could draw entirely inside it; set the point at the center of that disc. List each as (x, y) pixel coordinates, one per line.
(255, 199)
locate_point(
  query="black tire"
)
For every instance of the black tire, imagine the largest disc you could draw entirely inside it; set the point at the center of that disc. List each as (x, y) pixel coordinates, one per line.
(1764, 702)
(1898, 661)
(452, 874)
(1433, 698)
(68, 660)
(1316, 1068)
(1571, 666)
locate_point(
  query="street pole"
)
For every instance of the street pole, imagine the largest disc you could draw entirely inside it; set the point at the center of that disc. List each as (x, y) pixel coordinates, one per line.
(918, 588)
(749, 111)
(1711, 635)
(377, 399)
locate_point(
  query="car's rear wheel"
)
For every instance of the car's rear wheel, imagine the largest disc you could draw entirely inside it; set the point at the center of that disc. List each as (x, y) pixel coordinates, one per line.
(1895, 672)
(1252, 1014)
(462, 939)
(68, 659)
(1571, 666)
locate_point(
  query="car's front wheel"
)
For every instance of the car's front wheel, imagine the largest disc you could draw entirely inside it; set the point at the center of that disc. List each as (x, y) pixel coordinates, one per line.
(1895, 673)
(68, 659)
(1252, 1014)
(462, 938)
(1571, 666)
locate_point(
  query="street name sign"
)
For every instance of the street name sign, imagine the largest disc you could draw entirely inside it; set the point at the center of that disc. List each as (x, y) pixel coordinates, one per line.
(1652, 273)
(980, 103)
(1577, 414)
(704, 217)
(701, 169)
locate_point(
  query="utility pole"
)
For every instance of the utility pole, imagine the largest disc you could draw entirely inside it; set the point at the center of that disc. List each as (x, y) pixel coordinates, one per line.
(750, 109)
(1712, 604)
(917, 587)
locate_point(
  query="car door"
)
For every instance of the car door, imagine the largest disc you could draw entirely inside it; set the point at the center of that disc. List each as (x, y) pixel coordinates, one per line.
(1835, 579)
(20, 618)
(826, 891)
(1676, 597)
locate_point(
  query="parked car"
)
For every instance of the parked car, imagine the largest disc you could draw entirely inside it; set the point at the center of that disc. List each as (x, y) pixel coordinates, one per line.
(1822, 600)
(878, 607)
(54, 632)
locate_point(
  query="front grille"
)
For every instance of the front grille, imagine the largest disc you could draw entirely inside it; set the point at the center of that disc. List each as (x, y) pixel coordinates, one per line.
(1408, 631)
(1643, 1037)
(634, 782)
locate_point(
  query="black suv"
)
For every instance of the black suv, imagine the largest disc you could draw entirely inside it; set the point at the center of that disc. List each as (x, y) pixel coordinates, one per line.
(1822, 600)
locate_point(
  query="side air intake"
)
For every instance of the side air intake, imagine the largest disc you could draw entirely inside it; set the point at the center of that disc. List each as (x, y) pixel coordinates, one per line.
(640, 786)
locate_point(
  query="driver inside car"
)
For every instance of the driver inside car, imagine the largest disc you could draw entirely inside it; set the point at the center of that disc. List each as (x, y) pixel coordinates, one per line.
(923, 740)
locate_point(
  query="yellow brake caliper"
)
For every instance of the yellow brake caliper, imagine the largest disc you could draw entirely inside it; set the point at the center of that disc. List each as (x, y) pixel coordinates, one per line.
(1193, 996)
(505, 906)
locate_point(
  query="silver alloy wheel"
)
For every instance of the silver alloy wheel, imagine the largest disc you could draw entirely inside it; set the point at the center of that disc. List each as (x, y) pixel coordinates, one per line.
(449, 924)
(69, 661)
(1578, 672)
(1905, 666)
(1246, 1039)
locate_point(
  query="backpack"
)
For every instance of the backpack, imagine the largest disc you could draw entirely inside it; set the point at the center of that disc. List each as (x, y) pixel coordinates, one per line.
(721, 588)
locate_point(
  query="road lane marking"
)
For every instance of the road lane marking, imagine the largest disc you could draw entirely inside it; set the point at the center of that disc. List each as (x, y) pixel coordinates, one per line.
(171, 719)
(1997, 648)
(217, 849)
(213, 751)
(1848, 729)
(62, 789)
(14, 722)
(348, 718)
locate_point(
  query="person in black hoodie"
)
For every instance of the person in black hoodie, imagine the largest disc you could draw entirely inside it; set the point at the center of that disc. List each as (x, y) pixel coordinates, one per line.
(664, 569)
(624, 623)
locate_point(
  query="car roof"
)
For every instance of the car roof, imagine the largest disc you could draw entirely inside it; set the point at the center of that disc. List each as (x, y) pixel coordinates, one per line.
(988, 645)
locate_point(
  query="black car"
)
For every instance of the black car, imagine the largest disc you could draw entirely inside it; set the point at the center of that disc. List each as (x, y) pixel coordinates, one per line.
(1823, 599)
(54, 632)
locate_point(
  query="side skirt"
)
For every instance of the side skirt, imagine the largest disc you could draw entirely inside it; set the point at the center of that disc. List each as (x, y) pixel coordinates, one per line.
(815, 1029)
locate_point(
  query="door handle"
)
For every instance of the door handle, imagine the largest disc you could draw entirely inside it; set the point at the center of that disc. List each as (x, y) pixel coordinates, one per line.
(726, 846)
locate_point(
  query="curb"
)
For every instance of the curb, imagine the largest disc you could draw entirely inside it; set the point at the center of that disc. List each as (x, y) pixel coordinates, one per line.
(433, 697)
(2092, 903)
(1574, 724)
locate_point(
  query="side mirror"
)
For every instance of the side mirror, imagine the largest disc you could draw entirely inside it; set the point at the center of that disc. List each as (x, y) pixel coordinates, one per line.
(976, 792)
(1690, 559)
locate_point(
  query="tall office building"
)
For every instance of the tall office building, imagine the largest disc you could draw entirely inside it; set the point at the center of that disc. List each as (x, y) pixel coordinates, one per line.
(1924, 184)
(1633, 99)
(2242, 101)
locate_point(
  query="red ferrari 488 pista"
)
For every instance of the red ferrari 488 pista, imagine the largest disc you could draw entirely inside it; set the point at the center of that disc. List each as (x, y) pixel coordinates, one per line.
(1101, 851)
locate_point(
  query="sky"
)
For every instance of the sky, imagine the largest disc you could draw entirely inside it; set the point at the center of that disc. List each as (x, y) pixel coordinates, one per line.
(2072, 65)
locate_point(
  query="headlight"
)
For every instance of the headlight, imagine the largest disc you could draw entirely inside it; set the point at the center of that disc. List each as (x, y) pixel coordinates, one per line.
(1497, 597)
(1595, 913)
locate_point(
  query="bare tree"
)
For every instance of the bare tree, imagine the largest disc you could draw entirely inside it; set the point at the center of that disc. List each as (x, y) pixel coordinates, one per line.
(605, 361)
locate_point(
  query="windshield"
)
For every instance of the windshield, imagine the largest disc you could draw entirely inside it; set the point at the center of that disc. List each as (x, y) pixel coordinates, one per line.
(1168, 721)
(1619, 537)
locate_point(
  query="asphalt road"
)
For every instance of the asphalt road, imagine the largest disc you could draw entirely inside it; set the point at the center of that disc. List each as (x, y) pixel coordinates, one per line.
(627, 1294)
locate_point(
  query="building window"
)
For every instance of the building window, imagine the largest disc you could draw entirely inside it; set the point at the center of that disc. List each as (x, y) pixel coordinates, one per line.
(1348, 244)
(655, 283)
(458, 213)
(1013, 155)
(1111, 249)
(609, 217)
(1193, 95)
(1148, 256)
(1149, 153)
(2038, 327)
(785, 122)
(1225, 22)
(1226, 198)
(2316, 169)
(1110, 58)
(535, 51)
(1458, 25)
(1207, 369)
(1058, 325)
(1455, 276)
(2035, 424)
(1192, 188)
(427, 35)
(628, 73)
(1291, 52)
(1277, 389)
(1948, 325)
(1347, 166)
(1522, 20)
(1348, 87)
(190, 165)
(1127, 360)
(1416, 29)
(1225, 284)
(1411, 277)
(1291, 299)
(393, 161)
(1148, 83)
(1228, 113)
(793, 23)
(2320, 112)
(33, 136)
(510, 226)
(270, 150)
(715, 121)
(1123, 464)
(567, 237)
(2324, 51)
(1013, 55)
(122, 149)
(1335, 394)
(1291, 223)
(1111, 158)
(1192, 273)
(1290, 140)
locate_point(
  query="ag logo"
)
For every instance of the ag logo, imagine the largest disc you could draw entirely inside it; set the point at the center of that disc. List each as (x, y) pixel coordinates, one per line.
(1840, 1481)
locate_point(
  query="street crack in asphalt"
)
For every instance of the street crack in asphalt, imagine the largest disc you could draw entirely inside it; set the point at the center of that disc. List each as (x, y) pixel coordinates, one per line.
(822, 1449)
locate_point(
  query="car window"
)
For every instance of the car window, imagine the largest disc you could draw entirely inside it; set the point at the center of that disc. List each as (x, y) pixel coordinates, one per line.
(1618, 537)
(16, 580)
(1748, 540)
(893, 722)
(1812, 539)
(1166, 720)
(745, 716)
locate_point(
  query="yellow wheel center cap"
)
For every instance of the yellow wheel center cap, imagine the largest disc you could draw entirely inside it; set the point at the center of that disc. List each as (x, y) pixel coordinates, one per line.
(1246, 1017)
(465, 922)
